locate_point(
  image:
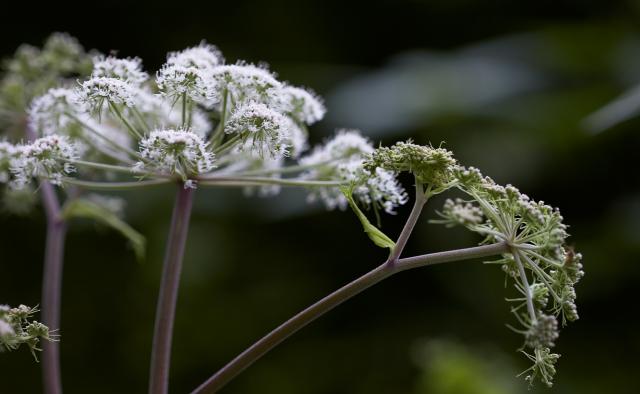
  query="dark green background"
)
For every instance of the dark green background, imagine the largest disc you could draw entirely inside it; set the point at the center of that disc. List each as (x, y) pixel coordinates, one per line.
(506, 84)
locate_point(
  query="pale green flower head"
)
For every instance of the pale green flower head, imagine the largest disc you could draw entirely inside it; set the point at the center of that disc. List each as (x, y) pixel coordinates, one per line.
(17, 328)
(32, 71)
(430, 166)
(540, 263)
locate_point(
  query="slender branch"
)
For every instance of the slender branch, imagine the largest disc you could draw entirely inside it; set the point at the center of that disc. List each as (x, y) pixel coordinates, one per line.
(165, 313)
(134, 133)
(418, 204)
(115, 185)
(452, 255)
(51, 281)
(287, 169)
(117, 168)
(184, 110)
(257, 181)
(525, 283)
(95, 132)
(282, 332)
(103, 166)
(218, 135)
(230, 143)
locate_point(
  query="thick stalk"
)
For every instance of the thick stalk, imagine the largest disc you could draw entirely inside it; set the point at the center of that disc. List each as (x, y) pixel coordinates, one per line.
(282, 332)
(51, 281)
(165, 312)
(52, 287)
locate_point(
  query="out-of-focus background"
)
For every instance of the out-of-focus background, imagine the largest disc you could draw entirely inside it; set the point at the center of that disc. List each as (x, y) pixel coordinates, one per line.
(509, 86)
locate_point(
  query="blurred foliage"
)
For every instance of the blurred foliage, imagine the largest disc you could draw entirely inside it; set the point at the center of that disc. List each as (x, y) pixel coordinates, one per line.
(507, 86)
(450, 367)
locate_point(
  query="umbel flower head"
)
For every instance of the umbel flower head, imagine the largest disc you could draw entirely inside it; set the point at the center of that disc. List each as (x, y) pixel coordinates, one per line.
(129, 69)
(48, 157)
(8, 153)
(542, 267)
(430, 166)
(188, 73)
(56, 111)
(342, 158)
(180, 152)
(262, 129)
(31, 71)
(16, 329)
(98, 91)
(302, 104)
(245, 82)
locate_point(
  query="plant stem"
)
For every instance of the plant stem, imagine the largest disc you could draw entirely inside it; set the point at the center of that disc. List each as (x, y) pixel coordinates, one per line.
(134, 133)
(286, 170)
(257, 181)
(117, 168)
(525, 283)
(418, 204)
(115, 185)
(95, 132)
(51, 281)
(165, 312)
(227, 145)
(218, 135)
(52, 287)
(282, 332)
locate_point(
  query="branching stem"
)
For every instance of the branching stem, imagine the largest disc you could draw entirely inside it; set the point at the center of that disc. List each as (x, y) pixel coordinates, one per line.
(282, 332)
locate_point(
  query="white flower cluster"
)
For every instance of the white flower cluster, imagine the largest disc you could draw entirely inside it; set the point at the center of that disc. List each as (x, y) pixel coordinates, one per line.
(48, 157)
(188, 73)
(98, 91)
(263, 130)
(342, 158)
(246, 82)
(8, 153)
(129, 70)
(461, 212)
(180, 152)
(303, 105)
(260, 122)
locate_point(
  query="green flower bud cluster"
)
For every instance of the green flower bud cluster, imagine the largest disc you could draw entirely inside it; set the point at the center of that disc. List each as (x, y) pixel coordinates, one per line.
(430, 166)
(541, 265)
(31, 71)
(16, 329)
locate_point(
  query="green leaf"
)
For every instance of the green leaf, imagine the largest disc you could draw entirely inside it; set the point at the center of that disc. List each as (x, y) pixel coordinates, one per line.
(375, 234)
(83, 208)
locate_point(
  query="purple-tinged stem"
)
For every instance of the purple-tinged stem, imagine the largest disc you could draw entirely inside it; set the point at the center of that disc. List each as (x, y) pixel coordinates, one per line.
(165, 312)
(52, 287)
(51, 281)
(282, 332)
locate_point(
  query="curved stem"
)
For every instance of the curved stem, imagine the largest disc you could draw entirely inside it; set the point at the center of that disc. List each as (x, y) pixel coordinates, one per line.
(165, 313)
(282, 332)
(418, 204)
